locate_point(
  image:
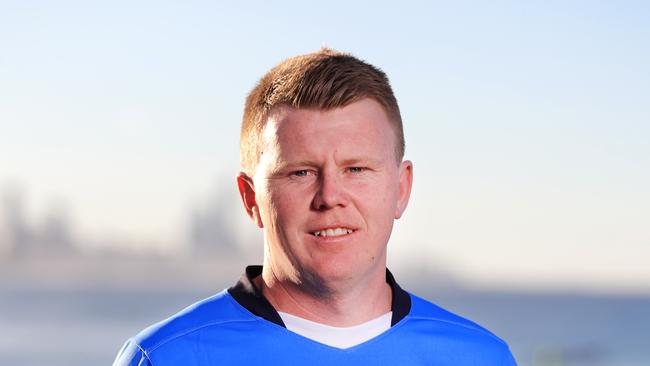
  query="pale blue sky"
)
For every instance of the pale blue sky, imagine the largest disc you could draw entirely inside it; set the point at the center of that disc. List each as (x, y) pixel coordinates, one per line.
(528, 122)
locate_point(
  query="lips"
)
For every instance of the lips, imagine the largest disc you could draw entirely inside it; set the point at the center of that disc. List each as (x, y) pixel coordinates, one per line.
(332, 232)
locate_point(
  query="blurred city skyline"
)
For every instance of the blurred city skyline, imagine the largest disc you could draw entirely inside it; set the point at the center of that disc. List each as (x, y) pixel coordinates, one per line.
(207, 230)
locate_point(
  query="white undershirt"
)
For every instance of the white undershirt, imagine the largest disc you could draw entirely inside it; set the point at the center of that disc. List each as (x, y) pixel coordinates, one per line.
(339, 337)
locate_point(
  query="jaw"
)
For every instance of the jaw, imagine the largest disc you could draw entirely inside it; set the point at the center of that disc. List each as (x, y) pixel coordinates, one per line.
(324, 266)
(343, 261)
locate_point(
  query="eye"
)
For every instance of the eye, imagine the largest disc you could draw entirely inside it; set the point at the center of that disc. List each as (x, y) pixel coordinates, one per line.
(356, 169)
(301, 173)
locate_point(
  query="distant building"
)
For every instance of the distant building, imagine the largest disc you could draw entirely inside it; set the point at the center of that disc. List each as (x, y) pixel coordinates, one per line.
(21, 238)
(54, 234)
(15, 234)
(212, 227)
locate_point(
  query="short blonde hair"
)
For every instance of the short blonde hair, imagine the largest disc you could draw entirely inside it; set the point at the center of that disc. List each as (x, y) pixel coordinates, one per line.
(325, 79)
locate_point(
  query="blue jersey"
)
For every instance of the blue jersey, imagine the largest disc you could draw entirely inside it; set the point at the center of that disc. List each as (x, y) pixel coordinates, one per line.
(230, 329)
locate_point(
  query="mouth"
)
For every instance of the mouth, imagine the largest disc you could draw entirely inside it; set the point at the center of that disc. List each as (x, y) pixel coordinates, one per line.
(332, 232)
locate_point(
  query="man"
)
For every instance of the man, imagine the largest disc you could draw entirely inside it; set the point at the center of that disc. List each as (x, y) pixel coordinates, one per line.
(323, 177)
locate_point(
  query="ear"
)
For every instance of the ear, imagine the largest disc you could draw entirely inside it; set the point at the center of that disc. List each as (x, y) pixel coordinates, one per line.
(247, 193)
(405, 184)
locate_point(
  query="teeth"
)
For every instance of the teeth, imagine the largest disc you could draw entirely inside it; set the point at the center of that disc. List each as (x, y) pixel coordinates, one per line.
(332, 232)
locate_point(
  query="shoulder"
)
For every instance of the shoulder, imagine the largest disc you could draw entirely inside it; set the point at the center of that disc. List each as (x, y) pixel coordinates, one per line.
(452, 329)
(428, 311)
(210, 315)
(212, 312)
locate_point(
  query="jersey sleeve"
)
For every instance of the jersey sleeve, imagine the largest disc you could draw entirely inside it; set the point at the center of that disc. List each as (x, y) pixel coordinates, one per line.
(131, 355)
(509, 359)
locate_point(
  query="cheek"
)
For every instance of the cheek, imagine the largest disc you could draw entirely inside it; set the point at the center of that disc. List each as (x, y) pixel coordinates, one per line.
(286, 208)
(378, 198)
(270, 212)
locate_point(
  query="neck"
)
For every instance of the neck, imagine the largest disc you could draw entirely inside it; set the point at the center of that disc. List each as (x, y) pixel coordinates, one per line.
(339, 305)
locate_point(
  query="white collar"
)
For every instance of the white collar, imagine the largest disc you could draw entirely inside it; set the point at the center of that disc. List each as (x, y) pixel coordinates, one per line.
(339, 337)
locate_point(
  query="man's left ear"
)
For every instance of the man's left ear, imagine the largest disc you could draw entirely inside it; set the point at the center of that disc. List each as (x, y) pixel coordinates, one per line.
(405, 183)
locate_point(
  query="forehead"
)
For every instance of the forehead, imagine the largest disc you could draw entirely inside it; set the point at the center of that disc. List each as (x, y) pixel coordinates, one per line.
(362, 127)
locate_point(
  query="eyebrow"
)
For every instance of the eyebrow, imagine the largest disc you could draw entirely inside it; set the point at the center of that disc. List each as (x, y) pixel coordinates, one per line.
(364, 160)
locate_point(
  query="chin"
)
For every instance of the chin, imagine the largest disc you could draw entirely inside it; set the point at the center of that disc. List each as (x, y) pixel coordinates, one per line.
(334, 270)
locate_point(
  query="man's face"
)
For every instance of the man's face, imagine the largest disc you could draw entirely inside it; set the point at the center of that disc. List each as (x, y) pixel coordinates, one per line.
(326, 192)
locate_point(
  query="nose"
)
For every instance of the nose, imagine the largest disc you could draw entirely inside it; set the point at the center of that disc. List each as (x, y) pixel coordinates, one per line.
(331, 192)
